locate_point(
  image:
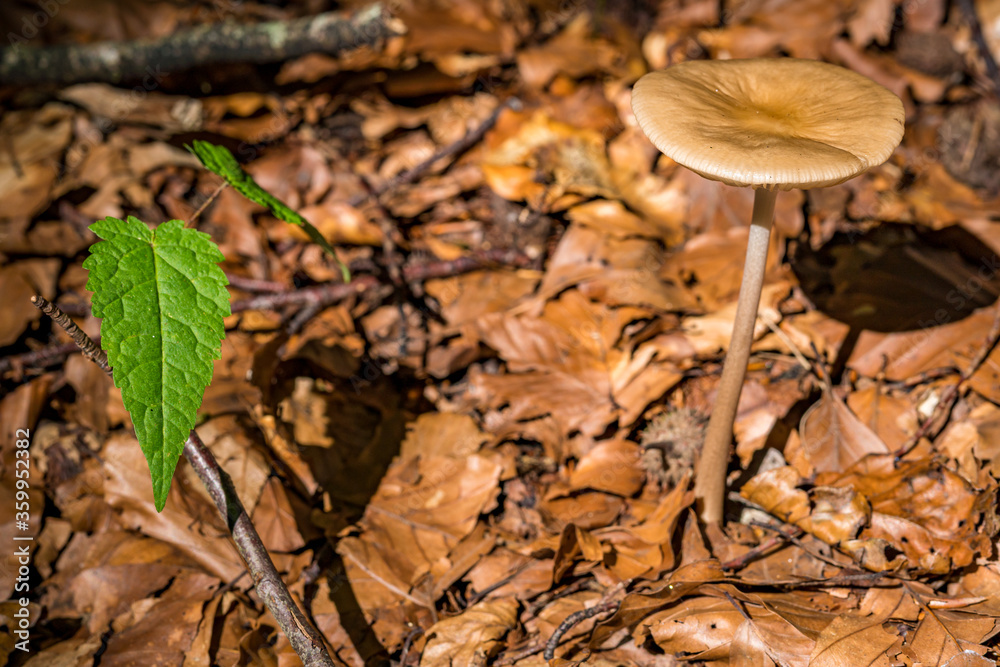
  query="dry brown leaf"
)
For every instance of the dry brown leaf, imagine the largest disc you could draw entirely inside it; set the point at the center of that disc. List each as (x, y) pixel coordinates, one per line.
(19, 282)
(574, 53)
(850, 640)
(831, 514)
(442, 434)
(569, 363)
(947, 638)
(613, 466)
(767, 639)
(892, 418)
(833, 438)
(575, 544)
(926, 511)
(472, 637)
(128, 490)
(524, 146)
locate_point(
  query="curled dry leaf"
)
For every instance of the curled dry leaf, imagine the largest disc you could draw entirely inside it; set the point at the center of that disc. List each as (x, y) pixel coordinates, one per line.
(833, 515)
(575, 544)
(928, 514)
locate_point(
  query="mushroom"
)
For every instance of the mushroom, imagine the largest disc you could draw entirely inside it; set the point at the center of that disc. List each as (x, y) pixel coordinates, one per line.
(771, 124)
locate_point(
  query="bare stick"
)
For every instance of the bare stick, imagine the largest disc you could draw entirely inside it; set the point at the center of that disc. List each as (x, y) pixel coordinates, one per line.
(777, 540)
(304, 638)
(326, 294)
(254, 285)
(81, 339)
(211, 198)
(573, 620)
(201, 46)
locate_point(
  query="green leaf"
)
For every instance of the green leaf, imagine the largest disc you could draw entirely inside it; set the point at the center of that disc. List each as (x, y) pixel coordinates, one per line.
(162, 298)
(219, 160)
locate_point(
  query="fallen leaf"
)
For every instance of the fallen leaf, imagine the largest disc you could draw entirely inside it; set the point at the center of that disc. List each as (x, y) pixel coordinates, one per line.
(472, 637)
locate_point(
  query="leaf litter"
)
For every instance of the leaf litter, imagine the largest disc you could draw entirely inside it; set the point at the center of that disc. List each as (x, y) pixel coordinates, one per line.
(487, 461)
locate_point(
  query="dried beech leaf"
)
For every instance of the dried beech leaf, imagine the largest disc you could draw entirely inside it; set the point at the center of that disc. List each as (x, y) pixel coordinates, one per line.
(833, 438)
(850, 640)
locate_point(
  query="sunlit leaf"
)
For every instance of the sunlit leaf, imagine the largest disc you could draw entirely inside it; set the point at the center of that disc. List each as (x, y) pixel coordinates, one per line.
(162, 298)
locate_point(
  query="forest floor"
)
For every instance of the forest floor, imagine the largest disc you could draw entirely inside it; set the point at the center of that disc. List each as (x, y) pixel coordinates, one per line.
(494, 429)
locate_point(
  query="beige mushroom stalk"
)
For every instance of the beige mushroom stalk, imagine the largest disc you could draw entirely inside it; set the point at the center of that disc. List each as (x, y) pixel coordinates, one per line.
(771, 124)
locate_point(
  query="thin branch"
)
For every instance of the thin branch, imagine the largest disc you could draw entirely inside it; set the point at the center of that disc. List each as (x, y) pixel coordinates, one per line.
(778, 540)
(254, 285)
(326, 294)
(201, 46)
(89, 349)
(278, 296)
(573, 620)
(207, 202)
(304, 638)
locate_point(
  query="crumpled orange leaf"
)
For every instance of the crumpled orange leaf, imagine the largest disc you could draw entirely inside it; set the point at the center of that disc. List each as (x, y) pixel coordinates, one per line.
(920, 509)
(833, 515)
(923, 509)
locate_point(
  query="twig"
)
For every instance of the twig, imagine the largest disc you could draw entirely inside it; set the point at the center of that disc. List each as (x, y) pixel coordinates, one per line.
(780, 539)
(306, 313)
(500, 583)
(46, 356)
(279, 296)
(470, 262)
(942, 411)
(326, 293)
(573, 620)
(304, 638)
(201, 46)
(739, 607)
(511, 656)
(211, 198)
(89, 349)
(968, 8)
(254, 285)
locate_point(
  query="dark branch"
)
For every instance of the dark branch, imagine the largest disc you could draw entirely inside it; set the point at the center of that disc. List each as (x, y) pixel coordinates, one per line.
(87, 346)
(201, 46)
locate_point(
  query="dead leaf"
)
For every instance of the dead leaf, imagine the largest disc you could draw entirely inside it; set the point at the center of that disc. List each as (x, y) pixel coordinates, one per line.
(833, 438)
(472, 637)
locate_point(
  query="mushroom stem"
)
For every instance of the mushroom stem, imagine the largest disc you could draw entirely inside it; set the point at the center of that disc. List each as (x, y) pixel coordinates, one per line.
(710, 479)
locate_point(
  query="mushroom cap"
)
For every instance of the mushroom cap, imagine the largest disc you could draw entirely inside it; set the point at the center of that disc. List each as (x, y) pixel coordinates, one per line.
(769, 122)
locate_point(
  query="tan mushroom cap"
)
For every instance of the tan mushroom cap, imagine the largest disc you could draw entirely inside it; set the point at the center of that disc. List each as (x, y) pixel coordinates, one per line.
(769, 122)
